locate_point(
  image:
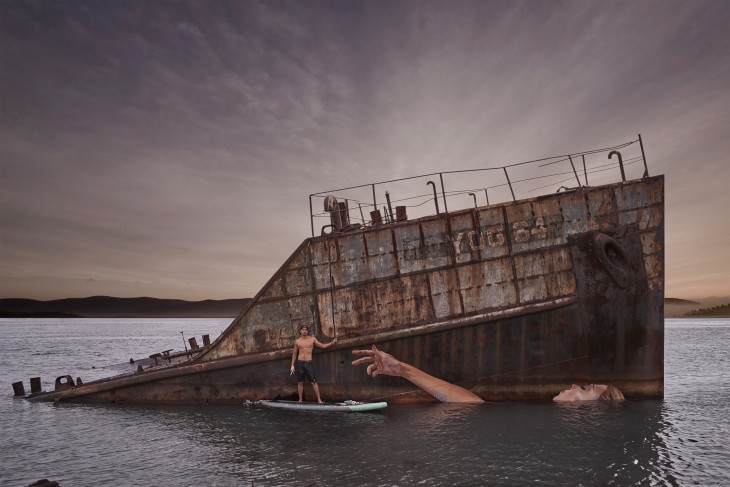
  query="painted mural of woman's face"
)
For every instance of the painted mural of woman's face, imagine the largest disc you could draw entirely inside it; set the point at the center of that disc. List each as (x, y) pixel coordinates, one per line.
(590, 392)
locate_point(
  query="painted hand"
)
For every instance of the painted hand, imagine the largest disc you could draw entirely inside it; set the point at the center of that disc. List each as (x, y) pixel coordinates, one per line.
(380, 362)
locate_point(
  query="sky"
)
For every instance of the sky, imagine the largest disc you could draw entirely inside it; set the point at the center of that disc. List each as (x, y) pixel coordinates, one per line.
(168, 149)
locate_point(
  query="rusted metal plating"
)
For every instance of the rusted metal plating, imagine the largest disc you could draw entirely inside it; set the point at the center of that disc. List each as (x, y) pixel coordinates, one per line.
(513, 301)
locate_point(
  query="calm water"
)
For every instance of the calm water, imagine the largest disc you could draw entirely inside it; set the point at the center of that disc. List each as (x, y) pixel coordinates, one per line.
(681, 440)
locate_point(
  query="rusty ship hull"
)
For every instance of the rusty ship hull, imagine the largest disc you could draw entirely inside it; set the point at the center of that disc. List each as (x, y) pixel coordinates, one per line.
(513, 301)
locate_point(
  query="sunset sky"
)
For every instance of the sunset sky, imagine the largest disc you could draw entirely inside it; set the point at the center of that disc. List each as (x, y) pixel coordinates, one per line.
(167, 149)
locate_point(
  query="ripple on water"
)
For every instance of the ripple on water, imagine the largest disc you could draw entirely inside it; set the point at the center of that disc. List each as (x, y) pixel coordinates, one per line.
(678, 441)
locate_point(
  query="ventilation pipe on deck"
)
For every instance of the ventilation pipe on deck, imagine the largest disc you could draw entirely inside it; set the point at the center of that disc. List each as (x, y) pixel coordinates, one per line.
(344, 209)
(339, 212)
(435, 195)
(376, 217)
(620, 163)
(331, 206)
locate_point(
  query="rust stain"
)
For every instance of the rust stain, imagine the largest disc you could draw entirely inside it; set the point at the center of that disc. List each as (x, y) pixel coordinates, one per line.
(471, 294)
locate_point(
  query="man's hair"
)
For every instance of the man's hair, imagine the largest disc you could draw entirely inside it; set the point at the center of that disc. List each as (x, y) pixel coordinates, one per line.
(304, 326)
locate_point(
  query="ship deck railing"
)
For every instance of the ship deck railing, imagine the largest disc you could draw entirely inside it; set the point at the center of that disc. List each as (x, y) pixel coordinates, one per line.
(449, 191)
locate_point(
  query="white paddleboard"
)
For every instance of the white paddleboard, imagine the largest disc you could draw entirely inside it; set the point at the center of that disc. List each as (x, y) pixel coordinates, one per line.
(347, 406)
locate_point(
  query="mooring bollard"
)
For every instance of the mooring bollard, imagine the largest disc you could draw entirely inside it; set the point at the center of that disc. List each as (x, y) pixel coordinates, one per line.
(206, 340)
(193, 343)
(35, 385)
(18, 388)
(64, 383)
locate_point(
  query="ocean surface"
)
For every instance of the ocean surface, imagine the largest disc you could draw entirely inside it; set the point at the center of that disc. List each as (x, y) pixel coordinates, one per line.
(680, 440)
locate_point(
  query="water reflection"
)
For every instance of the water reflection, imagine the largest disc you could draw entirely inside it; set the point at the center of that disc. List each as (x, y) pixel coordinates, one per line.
(681, 440)
(587, 443)
(593, 443)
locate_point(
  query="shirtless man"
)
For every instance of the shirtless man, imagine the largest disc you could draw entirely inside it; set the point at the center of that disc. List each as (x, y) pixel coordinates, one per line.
(303, 347)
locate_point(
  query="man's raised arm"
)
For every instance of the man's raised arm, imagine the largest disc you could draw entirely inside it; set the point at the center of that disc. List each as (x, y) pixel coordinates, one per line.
(319, 344)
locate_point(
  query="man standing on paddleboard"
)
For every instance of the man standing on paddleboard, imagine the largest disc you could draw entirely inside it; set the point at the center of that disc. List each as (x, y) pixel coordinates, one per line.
(302, 357)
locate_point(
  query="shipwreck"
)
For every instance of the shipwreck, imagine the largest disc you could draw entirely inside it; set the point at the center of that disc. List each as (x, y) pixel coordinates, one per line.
(513, 300)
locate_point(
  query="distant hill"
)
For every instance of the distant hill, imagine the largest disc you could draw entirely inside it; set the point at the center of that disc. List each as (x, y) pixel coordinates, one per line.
(722, 310)
(675, 308)
(109, 307)
(680, 301)
(40, 314)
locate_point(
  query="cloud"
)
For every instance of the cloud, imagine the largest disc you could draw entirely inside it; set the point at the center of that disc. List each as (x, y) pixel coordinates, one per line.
(179, 142)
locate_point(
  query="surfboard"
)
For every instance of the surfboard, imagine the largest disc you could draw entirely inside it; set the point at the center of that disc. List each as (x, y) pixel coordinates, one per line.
(345, 407)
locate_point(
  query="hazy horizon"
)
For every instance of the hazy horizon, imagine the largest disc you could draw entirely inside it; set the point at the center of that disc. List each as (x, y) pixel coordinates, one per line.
(706, 299)
(167, 149)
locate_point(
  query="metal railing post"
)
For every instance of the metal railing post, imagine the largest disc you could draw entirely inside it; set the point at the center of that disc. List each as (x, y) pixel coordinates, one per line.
(443, 192)
(362, 217)
(574, 171)
(643, 156)
(585, 173)
(311, 214)
(375, 202)
(510, 184)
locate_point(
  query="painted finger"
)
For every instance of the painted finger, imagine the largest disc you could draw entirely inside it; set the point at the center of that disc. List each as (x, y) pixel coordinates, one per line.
(363, 360)
(372, 368)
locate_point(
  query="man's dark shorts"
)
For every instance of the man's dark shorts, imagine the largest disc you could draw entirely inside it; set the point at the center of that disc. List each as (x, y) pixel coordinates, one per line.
(305, 370)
